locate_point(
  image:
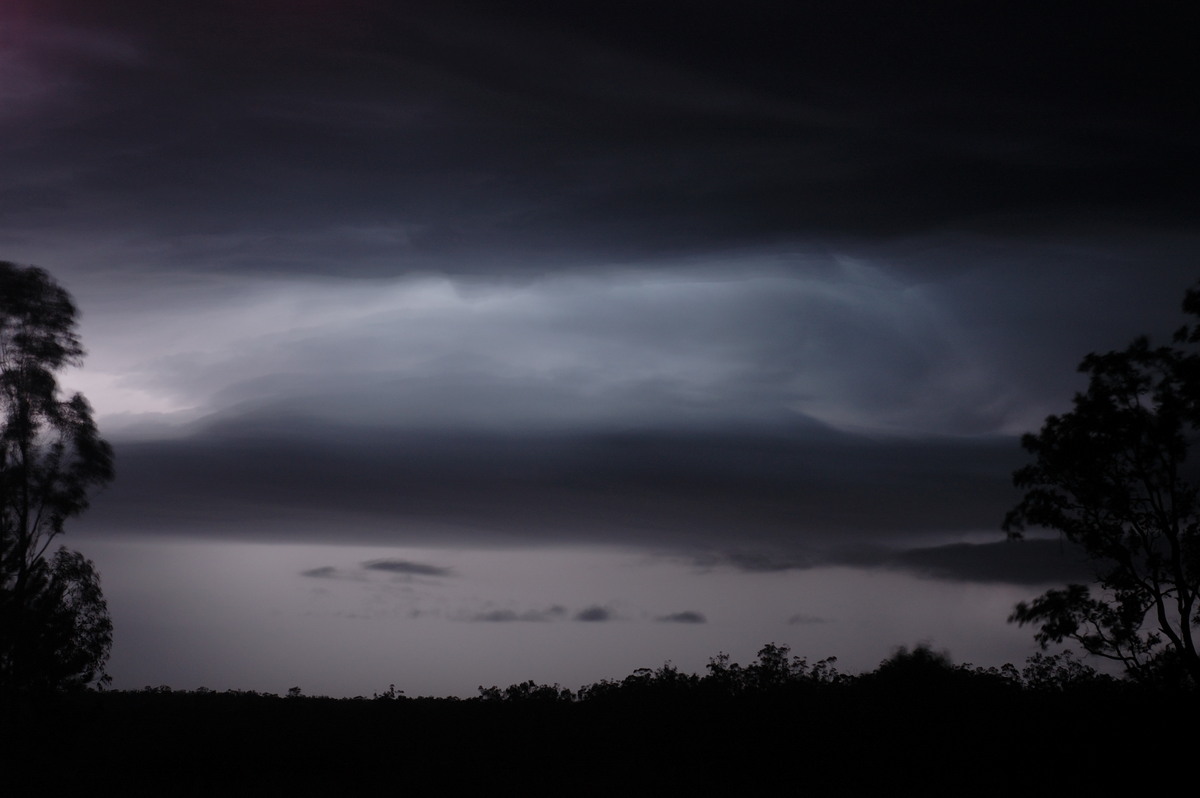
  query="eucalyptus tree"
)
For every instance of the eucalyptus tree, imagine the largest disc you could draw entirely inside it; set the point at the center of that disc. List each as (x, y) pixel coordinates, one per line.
(54, 625)
(1113, 476)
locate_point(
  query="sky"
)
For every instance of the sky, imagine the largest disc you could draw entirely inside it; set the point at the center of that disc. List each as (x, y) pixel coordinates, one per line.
(446, 344)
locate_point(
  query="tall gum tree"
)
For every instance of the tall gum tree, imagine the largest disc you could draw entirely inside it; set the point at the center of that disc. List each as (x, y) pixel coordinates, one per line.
(54, 624)
(1113, 476)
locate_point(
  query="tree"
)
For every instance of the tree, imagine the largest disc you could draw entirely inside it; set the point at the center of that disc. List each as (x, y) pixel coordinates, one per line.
(54, 624)
(1113, 476)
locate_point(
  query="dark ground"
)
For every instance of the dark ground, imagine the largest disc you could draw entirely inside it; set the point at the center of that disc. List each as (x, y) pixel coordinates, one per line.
(949, 732)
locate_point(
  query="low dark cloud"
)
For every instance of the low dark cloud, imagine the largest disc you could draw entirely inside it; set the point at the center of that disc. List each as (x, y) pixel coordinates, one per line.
(323, 572)
(749, 500)
(406, 568)
(1031, 561)
(762, 500)
(687, 616)
(760, 560)
(595, 614)
(1026, 562)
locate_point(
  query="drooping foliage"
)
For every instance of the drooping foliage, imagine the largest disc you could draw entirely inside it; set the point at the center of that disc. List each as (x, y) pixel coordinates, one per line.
(54, 625)
(1113, 476)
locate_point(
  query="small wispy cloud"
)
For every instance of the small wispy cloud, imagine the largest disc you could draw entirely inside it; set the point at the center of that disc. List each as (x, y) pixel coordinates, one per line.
(323, 572)
(531, 616)
(595, 613)
(406, 567)
(801, 619)
(687, 616)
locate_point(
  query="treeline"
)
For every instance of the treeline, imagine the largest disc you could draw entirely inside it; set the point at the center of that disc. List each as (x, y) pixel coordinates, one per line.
(776, 672)
(773, 671)
(778, 722)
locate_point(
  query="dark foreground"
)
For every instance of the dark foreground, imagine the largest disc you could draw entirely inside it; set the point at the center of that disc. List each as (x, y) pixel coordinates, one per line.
(927, 730)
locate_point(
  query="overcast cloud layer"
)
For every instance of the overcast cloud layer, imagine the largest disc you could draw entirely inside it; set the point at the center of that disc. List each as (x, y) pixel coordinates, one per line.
(367, 137)
(772, 285)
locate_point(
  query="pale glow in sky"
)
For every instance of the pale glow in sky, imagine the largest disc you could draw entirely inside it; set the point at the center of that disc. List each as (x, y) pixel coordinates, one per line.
(697, 345)
(215, 612)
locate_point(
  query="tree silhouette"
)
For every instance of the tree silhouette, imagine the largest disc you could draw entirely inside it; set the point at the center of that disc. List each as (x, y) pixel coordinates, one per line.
(54, 624)
(1113, 476)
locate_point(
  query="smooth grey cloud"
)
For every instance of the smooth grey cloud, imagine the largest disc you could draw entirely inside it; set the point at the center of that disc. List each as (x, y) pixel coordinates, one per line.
(687, 616)
(595, 614)
(406, 568)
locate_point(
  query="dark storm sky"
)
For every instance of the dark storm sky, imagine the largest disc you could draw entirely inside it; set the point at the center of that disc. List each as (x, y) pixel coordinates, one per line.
(772, 283)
